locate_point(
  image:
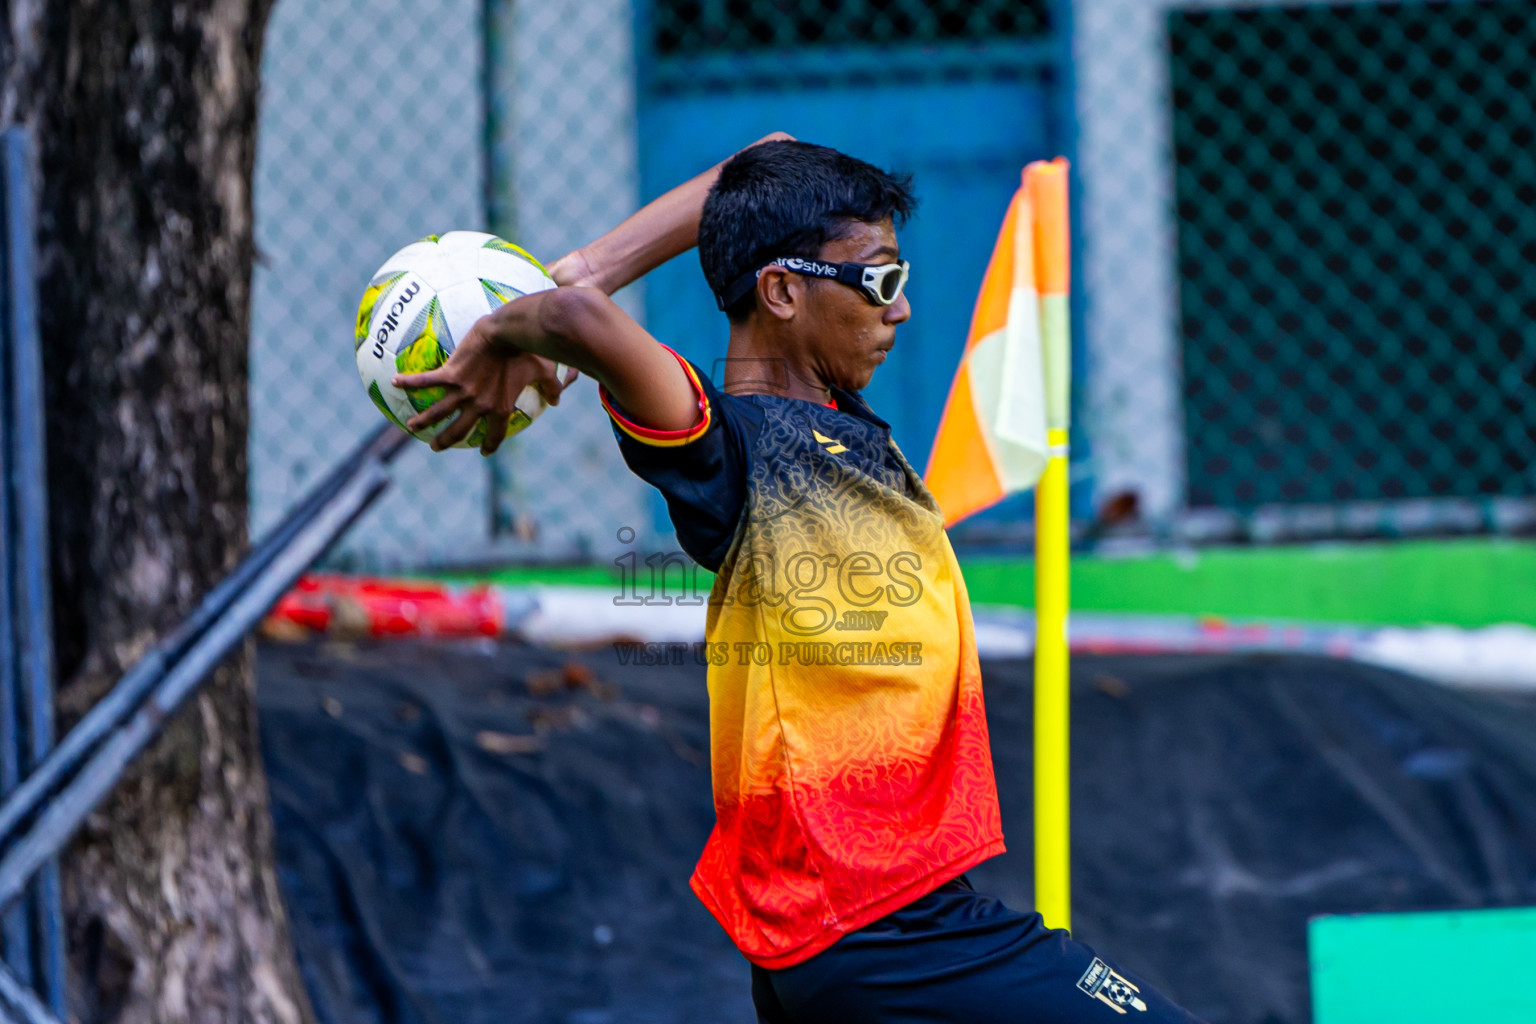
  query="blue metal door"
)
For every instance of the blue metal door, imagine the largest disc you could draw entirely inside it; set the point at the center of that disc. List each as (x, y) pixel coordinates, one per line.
(963, 117)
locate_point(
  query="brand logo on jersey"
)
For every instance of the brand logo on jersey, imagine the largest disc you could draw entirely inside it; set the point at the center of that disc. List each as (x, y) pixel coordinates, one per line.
(392, 318)
(832, 446)
(1110, 988)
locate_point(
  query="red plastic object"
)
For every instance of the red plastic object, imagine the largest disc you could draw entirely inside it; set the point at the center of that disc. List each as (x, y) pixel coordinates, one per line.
(365, 606)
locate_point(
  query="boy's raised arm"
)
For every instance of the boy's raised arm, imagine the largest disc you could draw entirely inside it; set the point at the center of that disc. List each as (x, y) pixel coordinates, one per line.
(578, 325)
(667, 226)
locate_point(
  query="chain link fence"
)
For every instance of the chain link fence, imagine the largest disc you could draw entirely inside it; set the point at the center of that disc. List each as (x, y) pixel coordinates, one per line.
(706, 26)
(1305, 231)
(1302, 231)
(1354, 189)
(383, 121)
(564, 150)
(369, 136)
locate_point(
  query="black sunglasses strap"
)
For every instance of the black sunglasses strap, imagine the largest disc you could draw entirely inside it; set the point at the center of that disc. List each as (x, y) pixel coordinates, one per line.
(740, 287)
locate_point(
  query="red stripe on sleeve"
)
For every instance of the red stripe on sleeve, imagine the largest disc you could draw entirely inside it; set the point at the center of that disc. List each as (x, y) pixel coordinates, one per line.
(664, 438)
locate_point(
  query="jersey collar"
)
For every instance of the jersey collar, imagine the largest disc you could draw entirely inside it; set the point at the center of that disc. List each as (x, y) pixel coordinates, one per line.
(852, 402)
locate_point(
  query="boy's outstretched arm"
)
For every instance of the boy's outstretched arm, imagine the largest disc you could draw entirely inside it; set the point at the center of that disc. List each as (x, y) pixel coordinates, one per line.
(579, 325)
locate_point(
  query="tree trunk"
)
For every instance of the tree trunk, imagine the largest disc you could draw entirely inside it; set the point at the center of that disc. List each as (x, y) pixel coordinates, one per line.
(144, 115)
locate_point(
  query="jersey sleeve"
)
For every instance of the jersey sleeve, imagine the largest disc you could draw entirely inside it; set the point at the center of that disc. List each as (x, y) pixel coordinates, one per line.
(700, 471)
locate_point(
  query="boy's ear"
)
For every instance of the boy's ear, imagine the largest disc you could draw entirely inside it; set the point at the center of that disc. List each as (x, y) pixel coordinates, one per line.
(778, 292)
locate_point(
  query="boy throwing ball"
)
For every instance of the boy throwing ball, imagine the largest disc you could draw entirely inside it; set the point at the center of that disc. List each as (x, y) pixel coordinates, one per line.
(853, 782)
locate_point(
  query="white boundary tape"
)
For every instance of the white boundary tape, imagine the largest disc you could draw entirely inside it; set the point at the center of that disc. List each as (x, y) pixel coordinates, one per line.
(1500, 656)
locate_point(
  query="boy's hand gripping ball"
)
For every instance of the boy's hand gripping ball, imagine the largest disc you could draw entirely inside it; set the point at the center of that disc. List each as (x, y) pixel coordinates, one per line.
(421, 302)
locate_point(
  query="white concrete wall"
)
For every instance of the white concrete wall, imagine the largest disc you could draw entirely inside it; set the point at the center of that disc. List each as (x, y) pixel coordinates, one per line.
(1133, 404)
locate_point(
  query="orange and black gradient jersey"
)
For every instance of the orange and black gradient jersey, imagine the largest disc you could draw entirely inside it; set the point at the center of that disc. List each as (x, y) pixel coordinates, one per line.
(848, 739)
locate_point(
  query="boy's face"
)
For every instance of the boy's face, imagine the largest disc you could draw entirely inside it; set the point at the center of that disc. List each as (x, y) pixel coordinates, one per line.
(845, 335)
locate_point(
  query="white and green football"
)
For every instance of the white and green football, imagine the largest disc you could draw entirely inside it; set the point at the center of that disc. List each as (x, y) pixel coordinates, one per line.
(421, 302)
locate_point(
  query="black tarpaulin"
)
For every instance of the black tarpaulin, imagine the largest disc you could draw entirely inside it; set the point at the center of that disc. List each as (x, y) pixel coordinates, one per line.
(480, 833)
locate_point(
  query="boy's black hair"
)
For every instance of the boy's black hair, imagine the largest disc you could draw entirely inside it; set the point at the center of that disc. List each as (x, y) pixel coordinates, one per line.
(789, 199)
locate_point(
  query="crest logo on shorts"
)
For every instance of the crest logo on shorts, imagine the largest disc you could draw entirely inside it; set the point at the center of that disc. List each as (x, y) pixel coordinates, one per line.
(1108, 987)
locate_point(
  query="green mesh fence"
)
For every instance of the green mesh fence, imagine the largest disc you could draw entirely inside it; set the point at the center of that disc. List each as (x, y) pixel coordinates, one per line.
(1355, 189)
(697, 26)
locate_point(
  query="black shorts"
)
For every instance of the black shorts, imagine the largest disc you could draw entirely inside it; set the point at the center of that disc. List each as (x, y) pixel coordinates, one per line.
(954, 955)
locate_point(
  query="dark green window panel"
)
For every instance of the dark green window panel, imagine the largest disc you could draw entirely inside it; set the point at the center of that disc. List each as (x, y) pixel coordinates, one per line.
(1356, 190)
(703, 26)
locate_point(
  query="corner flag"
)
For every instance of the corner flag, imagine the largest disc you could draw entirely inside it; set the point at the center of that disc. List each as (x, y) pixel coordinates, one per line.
(992, 437)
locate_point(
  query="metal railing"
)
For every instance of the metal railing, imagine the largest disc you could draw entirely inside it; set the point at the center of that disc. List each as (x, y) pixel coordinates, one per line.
(32, 927)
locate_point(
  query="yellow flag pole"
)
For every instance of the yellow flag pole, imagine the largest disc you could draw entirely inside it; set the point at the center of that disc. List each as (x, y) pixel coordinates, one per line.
(1047, 187)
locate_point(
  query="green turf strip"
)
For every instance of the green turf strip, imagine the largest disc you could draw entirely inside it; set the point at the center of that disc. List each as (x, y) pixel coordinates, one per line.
(1461, 583)
(1474, 582)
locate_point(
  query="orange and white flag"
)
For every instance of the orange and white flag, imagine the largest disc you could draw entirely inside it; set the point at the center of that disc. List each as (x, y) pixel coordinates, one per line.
(1012, 382)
